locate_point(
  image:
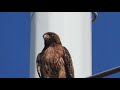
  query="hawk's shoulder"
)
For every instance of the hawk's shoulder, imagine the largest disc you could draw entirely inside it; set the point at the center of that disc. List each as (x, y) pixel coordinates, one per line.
(68, 63)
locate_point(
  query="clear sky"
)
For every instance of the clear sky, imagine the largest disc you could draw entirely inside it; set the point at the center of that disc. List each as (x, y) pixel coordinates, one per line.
(106, 42)
(14, 43)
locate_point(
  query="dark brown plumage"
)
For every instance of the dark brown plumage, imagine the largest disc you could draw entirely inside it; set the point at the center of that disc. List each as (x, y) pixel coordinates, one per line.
(54, 61)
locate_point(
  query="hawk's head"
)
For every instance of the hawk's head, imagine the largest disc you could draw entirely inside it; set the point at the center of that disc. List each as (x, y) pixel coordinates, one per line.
(51, 37)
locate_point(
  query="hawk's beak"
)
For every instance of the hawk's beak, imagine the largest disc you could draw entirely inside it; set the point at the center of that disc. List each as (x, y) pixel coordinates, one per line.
(46, 36)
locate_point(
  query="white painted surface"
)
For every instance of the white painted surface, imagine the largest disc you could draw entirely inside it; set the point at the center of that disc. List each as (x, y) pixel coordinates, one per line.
(74, 29)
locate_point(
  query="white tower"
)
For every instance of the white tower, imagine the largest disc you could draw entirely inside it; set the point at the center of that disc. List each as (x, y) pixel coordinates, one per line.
(74, 29)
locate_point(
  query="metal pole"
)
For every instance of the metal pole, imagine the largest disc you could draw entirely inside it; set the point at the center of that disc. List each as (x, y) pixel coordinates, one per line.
(106, 73)
(74, 29)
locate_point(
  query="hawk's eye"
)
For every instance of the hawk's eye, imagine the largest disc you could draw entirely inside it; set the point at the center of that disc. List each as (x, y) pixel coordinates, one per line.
(49, 34)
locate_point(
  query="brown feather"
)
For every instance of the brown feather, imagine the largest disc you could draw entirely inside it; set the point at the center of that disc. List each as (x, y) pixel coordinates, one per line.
(54, 61)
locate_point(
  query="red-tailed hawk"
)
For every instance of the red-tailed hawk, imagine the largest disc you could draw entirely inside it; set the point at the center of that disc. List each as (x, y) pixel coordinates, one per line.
(54, 61)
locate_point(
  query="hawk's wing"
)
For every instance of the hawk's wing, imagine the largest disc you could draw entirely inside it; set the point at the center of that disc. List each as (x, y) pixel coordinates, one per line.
(38, 64)
(68, 64)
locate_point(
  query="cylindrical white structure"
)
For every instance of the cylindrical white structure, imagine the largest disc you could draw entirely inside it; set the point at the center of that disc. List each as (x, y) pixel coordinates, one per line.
(74, 30)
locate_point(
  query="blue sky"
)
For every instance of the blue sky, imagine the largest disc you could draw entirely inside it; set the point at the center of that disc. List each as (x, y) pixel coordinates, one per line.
(14, 43)
(106, 42)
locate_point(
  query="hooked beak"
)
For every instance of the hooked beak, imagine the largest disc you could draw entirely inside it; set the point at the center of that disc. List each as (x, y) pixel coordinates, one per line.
(46, 36)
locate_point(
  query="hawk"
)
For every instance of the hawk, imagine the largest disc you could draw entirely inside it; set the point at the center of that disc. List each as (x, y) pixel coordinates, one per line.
(54, 61)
